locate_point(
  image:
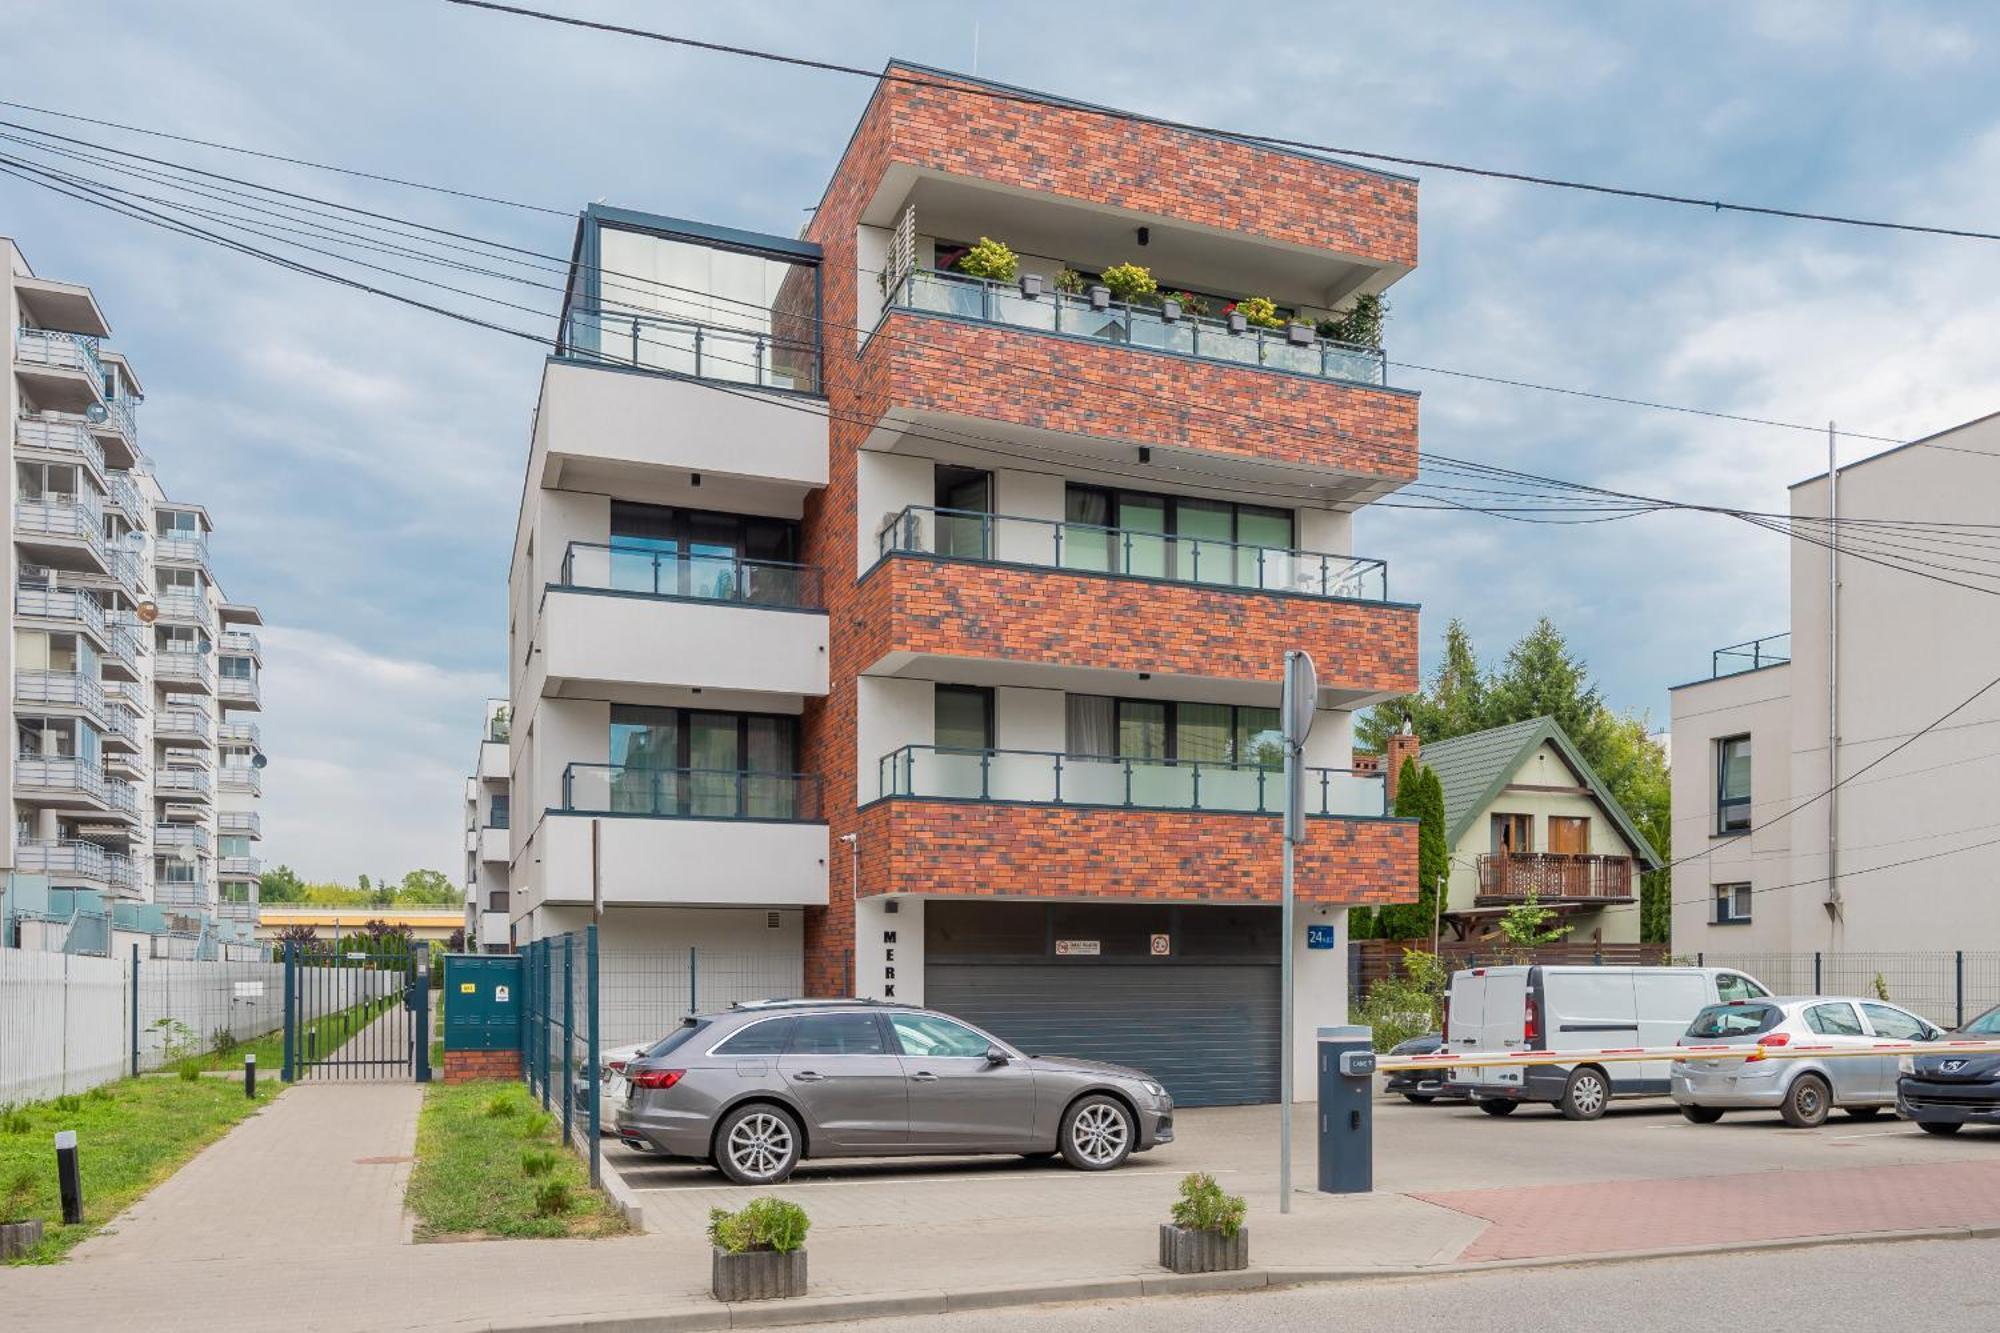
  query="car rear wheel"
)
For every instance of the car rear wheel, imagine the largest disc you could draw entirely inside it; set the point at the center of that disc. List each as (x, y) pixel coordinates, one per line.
(1939, 1126)
(1586, 1095)
(1097, 1134)
(758, 1144)
(1702, 1115)
(1806, 1102)
(1498, 1108)
(1861, 1112)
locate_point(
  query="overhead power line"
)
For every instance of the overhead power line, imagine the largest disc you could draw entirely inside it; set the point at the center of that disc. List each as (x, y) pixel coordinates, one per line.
(1432, 164)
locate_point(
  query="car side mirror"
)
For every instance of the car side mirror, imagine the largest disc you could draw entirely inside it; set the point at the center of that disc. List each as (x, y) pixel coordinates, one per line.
(996, 1056)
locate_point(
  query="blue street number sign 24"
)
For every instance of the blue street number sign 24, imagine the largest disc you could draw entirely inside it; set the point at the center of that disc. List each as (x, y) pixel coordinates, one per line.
(1319, 937)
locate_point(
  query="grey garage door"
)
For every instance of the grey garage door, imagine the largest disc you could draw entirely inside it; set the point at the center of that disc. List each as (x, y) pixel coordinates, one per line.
(1208, 1032)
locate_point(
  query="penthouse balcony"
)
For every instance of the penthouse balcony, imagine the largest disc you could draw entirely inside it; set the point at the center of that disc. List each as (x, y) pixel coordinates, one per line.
(759, 839)
(1752, 655)
(998, 822)
(61, 369)
(643, 620)
(1080, 607)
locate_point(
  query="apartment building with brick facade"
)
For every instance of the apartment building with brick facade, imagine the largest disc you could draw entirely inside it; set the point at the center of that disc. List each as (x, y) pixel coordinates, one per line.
(922, 631)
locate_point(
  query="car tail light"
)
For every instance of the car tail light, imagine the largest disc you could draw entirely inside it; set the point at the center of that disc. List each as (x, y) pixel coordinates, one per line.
(1531, 1027)
(615, 1066)
(657, 1078)
(1770, 1039)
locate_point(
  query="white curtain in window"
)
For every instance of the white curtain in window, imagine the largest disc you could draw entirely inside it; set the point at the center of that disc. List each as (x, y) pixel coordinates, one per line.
(1092, 726)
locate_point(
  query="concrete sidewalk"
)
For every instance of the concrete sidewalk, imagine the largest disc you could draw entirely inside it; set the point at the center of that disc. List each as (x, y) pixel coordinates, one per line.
(299, 1210)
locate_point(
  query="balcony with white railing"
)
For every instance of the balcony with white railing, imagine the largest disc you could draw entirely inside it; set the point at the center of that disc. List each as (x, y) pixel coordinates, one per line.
(62, 688)
(121, 655)
(241, 778)
(182, 784)
(174, 836)
(132, 574)
(184, 670)
(69, 606)
(239, 733)
(183, 726)
(123, 798)
(65, 531)
(63, 436)
(193, 895)
(119, 434)
(236, 909)
(240, 824)
(240, 692)
(239, 867)
(60, 780)
(182, 606)
(181, 547)
(63, 367)
(120, 491)
(68, 863)
(242, 643)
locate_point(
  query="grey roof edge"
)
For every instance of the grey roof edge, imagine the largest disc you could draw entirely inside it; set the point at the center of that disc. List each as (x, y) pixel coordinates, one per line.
(1534, 732)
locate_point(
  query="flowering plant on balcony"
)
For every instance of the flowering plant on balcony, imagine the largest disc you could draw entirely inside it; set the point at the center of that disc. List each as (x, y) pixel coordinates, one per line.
(1360, 324)
(990, 259)
(1257, 310)
(1070, 281)
(1130, 282)
(1191, 304)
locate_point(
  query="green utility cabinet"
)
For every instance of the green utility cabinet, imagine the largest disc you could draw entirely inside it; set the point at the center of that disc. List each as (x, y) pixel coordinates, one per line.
(482, 1002)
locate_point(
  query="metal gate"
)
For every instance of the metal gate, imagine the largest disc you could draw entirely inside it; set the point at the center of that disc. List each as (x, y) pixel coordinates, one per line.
(1208, 1031)
(357, 1009)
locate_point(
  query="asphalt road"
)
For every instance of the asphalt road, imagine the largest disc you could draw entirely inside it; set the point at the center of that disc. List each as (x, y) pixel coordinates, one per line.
(1915, 1287)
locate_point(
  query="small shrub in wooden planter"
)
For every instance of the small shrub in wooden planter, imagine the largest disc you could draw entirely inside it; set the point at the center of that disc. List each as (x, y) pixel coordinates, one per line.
(1207, 1234)
(759, 1252)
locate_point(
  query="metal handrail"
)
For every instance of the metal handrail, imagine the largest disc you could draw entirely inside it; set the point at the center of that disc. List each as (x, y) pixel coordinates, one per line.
(55, 347)
(60, 687)
(63, 516)
(61, 433)
(1193, 336)
(594, 336)
(178, 544)
(704, 793)
(182, 835)
(1036, 777)
(43, 603)
(718, 577)
(62, 772)
(1758, 656)
(991, 538)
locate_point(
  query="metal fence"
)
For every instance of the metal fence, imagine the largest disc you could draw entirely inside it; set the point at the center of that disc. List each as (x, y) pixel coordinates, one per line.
(1947, 987)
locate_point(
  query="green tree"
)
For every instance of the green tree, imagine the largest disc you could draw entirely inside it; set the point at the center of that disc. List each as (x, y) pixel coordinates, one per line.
(428, 888)
(1528, 925)
(1454, 703)
(1543, 678)
(280, 885)
(1419, 796)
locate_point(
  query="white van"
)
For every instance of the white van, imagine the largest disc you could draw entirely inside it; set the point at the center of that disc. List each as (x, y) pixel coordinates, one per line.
(1577, 1009)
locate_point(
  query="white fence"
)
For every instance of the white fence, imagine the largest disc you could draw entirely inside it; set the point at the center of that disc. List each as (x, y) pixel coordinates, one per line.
(66, 1021)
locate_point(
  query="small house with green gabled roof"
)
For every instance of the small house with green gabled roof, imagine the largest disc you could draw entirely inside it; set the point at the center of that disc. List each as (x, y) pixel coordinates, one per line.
(1524, 814)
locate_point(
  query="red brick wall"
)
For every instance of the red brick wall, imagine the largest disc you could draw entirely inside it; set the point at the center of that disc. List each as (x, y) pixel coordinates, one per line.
(1200, 179)
(1204, 182)
(974, 851)
(911, 603)
(470, 1066)
(927, 363)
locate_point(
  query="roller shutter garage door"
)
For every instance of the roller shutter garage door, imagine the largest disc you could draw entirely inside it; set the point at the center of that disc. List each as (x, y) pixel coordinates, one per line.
(1207, 1031)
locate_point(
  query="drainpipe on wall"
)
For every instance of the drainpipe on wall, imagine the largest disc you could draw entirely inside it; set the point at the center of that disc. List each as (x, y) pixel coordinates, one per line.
(1833, 903)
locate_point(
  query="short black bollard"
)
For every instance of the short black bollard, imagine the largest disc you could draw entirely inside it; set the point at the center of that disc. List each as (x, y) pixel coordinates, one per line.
(312, 1043)
(250, 1075)
(68, 1178)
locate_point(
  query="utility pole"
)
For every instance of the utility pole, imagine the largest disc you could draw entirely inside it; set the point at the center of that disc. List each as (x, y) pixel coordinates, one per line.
(1301, 697)
(1833, 903)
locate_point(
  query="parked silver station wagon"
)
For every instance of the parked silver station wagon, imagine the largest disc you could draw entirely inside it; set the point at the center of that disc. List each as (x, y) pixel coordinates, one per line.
(760, 1087)
(1801, 1090)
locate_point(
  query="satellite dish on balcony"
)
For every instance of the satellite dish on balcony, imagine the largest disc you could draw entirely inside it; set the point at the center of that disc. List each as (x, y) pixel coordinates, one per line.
(96, 414)
(135, 540)
(203, 646)
(257, 760)
(147, 611)
(185, 853)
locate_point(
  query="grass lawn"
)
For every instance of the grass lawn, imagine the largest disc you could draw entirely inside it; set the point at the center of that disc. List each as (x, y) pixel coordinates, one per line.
(131, 1135)
(469, 1180)
(333, 1029)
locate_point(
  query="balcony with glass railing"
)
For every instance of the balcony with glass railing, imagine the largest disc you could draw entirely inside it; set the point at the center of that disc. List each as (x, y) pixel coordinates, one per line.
(1160, 326)
(60, 779)
(718, 577)
(239, 733)
(63, 530)
(1042, 777)
(242, 643)
(1753, 655)
(66, 605)
(182, 784)
(66, 688)
(690, 793)
(240, 824)
(180, 546)
(1131, 553)
(240, 777)
(717, 350)
(64, 435)
(184, 669)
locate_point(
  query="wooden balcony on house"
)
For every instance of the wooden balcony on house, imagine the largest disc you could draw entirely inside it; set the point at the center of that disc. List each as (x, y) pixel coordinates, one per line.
(1555, 878)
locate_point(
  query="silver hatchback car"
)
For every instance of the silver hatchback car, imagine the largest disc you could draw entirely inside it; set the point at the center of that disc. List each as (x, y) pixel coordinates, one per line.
(759, 1087)
(1800, 1089)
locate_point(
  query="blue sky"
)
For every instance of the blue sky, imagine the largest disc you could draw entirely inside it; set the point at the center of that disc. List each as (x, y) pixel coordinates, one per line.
(363, 462)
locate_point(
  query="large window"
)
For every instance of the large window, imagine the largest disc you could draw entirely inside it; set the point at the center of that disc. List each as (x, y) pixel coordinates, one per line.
(1169, 730)
(1173, 536)
(696, 553)
(962, 717)
(1732, 784)
(686, 761)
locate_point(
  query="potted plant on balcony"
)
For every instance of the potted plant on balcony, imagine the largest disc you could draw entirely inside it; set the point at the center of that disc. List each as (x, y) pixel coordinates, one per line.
(1070, 282)
(758, 1253)
(1190, 304)
(1131, 283)
(1207, 1234)
(1257, 310)
(991, 260)
(1360, 324)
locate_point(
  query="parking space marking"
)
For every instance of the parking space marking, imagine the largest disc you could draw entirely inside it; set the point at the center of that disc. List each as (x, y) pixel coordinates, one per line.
(913, 1180)
(1872, 1134)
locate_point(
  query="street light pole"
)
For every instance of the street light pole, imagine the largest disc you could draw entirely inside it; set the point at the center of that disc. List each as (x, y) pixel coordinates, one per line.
(1301, 695)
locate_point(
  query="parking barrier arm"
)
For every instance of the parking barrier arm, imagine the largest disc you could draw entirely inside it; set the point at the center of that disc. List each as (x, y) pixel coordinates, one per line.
(1391, 1064)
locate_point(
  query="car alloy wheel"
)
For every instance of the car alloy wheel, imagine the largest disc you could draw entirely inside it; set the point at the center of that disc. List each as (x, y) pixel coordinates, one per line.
(1098, 1135)
(760, 1146)
(1585, 1096)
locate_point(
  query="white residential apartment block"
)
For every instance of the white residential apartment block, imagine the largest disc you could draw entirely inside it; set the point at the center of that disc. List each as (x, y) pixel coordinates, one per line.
(487, 830)
(1901, 856)
(134, 772)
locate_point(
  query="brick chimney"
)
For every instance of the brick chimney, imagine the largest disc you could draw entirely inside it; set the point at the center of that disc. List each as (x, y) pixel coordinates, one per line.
(1401, 746)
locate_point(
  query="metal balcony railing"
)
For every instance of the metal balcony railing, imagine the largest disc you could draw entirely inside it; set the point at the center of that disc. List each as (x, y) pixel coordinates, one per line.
(714, 578)
(67, 604)
(240, 824)
(1554, 876)
(181, 546)
(60, 774)
(183, 835)
(61, 433)
(122, 797)
(683, 347)
(242, 643)
(181, 604)
(240, 777)
(177, 722)
(67, 860)
(239, 867)
(1754, 655)
(1139, 325)
(181, 666)
(1045, 777)
(132, 573)
(196, 894)
(60, 350)
(70, 517)
(240, 688)
(121, 492)
(122, 645)
(170, 782)
(1004, 539)
(229, 909)
(60, 687)
(242, 733)
(690, 793)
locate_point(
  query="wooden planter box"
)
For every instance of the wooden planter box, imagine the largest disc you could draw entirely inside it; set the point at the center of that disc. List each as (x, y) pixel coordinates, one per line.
(757, 1275)
(17, 1238)
(1185, 1250)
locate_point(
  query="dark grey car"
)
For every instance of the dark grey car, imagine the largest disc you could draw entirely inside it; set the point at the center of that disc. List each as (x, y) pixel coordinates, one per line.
(760, 1087)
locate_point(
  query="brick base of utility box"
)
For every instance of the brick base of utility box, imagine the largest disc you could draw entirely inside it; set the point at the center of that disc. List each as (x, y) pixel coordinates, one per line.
(470, 1066)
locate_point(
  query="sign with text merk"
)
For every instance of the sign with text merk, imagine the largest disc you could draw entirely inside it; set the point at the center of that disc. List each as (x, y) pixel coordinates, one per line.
(1078, 948)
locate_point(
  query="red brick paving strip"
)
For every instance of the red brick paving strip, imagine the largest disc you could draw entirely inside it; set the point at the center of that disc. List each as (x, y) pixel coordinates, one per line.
(1616, 1216)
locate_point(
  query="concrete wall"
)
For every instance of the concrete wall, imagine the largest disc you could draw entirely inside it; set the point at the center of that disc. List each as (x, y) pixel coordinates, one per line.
(695, 862)
(1757, 704)
(644, 647)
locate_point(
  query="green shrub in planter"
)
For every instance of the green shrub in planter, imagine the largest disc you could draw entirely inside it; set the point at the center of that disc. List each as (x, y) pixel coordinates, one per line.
(1259, 311)
(1204, 1207)
(1130, 282)
(991, 260)
(762, 1224)
(1207, 1234)
(757, 1254)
